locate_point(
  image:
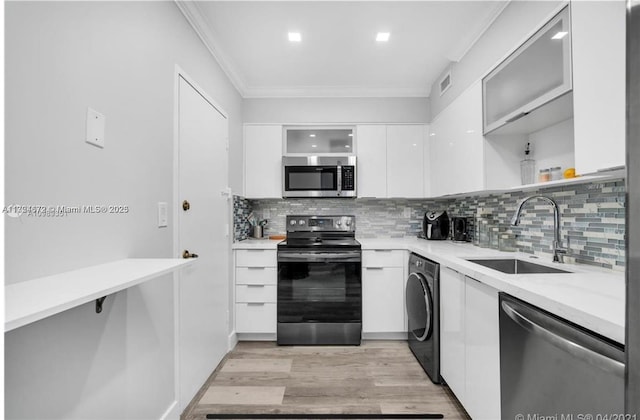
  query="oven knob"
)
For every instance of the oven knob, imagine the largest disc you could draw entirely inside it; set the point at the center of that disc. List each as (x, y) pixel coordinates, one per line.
(292, 223)
(348, 223)
(338, 223)
(301, 222)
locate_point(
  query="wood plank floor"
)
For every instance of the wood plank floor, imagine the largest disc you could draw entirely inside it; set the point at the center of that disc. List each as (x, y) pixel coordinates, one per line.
(378, 377)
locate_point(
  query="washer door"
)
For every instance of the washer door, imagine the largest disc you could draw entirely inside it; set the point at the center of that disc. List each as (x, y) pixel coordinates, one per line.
(419, 307)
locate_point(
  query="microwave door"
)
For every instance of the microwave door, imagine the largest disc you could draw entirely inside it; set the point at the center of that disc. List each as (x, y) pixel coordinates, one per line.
(310, 181)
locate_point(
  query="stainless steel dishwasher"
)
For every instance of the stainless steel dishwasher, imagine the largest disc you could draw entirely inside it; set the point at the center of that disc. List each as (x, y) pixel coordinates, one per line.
(551, 367)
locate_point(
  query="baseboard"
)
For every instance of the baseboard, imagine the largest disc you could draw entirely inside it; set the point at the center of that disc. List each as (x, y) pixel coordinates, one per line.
(385, 336)
(171, 413)
(232, 340)
(256, 336)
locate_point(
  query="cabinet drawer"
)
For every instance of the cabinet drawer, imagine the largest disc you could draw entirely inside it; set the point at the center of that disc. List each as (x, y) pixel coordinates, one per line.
(256, 317)
(255, 293)
(256, 258)
(382, 258)
(256, 275)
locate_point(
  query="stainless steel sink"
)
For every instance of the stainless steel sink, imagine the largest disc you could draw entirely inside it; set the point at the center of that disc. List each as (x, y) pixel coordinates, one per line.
(515, 266)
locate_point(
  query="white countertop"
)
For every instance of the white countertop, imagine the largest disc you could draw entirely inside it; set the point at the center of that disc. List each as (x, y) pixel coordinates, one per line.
(32, 300)
(588, 296)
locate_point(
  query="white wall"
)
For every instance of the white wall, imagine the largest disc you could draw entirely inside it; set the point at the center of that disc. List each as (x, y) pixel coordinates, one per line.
(518, 20)
(118, 58)
(336, 110)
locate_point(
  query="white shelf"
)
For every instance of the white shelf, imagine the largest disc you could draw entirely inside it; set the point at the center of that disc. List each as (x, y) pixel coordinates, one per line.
(33, 300)
(584, 179)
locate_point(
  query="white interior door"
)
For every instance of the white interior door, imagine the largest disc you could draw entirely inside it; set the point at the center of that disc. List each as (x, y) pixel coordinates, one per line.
(203, 230)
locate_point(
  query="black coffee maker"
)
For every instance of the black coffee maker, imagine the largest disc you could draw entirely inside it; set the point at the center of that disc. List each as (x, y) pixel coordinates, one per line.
(461, 229)
(435, 225)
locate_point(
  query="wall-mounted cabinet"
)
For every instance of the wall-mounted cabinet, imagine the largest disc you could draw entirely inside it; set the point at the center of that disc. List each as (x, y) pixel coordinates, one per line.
(599, 84)
(391, 160)
(538, 72)
(457, 146)
(263, 161)
(315, 140)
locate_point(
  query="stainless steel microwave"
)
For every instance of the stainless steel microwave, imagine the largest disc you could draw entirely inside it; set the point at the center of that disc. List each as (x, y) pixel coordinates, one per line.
(318, 176)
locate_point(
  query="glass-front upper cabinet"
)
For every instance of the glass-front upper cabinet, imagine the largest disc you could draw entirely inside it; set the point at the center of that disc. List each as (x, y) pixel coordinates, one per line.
(319, 140)
(536, 73)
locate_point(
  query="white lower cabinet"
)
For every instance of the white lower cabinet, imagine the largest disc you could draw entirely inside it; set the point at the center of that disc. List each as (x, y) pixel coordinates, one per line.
(255, 291)
(452, 317)
(383, 283)
(470, 343)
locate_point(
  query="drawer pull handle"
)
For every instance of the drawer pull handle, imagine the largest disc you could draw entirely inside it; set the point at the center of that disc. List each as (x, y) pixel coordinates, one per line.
(374, 268)
(255, 304)
(255, 285)
(383, 250)
(256, 268)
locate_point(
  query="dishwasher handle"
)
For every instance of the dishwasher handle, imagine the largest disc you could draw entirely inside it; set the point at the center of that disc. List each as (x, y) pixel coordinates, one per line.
(567, 338)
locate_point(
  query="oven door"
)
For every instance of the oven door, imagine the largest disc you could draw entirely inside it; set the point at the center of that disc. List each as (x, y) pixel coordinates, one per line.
(319, 286)
(311, 181)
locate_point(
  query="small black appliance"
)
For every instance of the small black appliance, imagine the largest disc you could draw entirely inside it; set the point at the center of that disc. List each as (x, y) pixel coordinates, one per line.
(460, 229)
(435, 225)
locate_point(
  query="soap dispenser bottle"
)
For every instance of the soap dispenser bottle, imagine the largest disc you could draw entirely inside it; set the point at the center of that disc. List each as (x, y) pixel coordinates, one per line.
(527, 167)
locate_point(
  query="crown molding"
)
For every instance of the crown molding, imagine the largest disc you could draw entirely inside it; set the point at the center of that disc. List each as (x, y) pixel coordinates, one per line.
(334, 92)
(196, 19)
(461, 49)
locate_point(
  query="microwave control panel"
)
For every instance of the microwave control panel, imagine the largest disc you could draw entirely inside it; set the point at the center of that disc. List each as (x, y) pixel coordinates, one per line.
(348, 178)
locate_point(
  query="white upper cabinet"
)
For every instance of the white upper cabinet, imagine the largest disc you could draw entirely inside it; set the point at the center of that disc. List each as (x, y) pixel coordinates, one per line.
(319, 140)
(599, 84)
(263, 161)
(405, 175)
(457, 146)
(533, 75)
(372, 160)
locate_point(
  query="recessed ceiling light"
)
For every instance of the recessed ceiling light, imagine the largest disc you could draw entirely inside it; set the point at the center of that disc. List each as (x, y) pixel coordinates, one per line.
(471, 131)
(295, 37)
(383, 36)
(347, 146)
(415, 144)
(350, 134)
(559, 35)
(432, 134)
(312, 135)
(313, 145)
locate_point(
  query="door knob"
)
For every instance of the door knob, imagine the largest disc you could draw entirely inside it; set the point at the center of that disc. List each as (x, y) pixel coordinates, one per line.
(185, 205)
(187, 254)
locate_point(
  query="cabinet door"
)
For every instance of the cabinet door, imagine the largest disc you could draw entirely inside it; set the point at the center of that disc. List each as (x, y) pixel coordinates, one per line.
(537, 72)
(262, 161)
(383, 299)
(452, 330)
(482, 351)
(372, 160)
(457, 146)
(598, 30)
(404, 161)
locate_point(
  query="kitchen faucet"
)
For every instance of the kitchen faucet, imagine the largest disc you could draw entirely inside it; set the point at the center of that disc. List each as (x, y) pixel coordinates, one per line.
(558, 250)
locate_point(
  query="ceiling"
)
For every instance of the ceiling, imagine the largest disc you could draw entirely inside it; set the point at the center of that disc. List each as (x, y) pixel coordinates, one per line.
(338, 55)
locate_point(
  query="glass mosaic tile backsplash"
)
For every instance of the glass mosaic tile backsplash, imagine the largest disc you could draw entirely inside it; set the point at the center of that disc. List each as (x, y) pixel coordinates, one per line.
(592, 218)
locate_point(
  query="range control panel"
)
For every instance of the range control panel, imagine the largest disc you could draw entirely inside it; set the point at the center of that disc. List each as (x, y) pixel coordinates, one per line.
(321, 223)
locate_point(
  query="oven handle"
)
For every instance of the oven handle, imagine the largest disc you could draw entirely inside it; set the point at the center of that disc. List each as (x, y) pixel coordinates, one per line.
(319, 257)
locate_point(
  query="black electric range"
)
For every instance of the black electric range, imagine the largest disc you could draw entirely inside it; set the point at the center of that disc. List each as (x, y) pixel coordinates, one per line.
(319, 282)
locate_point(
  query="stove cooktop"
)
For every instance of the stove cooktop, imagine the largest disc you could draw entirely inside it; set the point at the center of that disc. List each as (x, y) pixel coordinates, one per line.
(346, 243)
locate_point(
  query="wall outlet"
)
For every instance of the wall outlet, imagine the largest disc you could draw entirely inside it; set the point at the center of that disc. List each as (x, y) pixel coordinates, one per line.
(407, 212)
(95, 128)
(163, 214)
(266, 214)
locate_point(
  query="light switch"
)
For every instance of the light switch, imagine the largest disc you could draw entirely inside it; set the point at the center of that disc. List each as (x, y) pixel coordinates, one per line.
(95, 128)
(162, 214)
